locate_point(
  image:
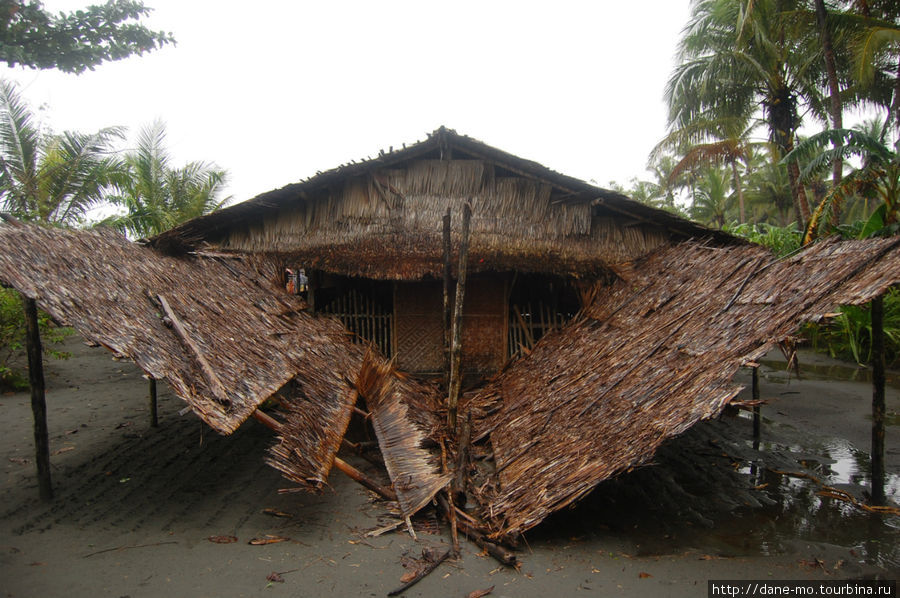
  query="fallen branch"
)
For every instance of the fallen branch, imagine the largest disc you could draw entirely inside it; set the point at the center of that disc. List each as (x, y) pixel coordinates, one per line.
(421, 575)
(128, 548)
(500, 554)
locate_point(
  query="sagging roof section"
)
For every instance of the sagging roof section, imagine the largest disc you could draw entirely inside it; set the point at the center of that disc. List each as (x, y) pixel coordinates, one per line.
(650, 356)
(222, 335)
(405, 416)
(381, 218)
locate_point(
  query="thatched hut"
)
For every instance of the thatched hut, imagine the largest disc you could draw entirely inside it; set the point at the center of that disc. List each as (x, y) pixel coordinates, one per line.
(603, 326)
(368, 235)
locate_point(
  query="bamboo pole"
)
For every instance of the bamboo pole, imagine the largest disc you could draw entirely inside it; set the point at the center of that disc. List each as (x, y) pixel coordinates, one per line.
(756, 409)
(447, 282)
(456, 340)
(154, 411)
(339, 464)
(215, 384)
(878, 379)
(38, 398)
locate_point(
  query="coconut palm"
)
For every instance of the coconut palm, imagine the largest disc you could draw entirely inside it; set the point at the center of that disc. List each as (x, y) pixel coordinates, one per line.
(712, 201)
(51, 178)
(157, 196)
(708, 142)
(739, 55)
(877, 179)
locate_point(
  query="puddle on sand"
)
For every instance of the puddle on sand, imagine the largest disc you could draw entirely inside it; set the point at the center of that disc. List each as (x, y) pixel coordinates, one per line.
(713, 492)
(776, 371)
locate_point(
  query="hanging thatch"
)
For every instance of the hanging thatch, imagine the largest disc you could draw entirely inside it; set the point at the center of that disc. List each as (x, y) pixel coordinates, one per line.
(217, 330)
(381, 218)
(650, 356)
(404, 414)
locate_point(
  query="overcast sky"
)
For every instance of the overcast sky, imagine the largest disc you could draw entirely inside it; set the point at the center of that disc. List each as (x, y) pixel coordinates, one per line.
(274, 91)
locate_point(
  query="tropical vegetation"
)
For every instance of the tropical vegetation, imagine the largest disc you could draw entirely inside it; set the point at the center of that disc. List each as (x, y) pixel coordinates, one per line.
(156, 195)
(757, 141)
(73, 42)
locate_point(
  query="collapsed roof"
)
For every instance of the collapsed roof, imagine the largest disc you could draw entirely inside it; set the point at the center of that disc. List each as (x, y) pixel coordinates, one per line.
(670, 311)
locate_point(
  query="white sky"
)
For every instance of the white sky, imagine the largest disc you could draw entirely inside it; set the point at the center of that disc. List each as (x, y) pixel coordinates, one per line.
(275, 90)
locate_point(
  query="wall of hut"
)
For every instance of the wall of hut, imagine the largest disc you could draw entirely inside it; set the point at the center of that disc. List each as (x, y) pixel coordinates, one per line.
(503, 316)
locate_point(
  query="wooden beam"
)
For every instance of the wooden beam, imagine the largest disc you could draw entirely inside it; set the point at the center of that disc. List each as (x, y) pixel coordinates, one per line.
(339, 464)
(38, 398)
(215, 385)
(456, 341)
(878, 379)
(447, 305)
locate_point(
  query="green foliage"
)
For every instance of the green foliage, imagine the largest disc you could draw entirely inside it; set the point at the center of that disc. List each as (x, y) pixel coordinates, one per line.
(781, 240)
(51, 178)
(13, 361)
(849, 335)
(157, 196)
(74, 42)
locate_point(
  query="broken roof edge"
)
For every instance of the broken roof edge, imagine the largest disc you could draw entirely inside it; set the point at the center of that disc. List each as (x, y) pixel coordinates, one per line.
(188, 235)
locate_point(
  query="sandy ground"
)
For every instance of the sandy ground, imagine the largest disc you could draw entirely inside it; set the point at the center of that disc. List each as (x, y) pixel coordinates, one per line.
(135, 506)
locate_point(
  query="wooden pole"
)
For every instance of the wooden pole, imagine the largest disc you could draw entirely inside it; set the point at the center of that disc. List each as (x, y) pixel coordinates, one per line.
(154, 412)
(456, 341)
(38, 399)
(447, 282)
(212, 380)
(339, 464)
(878, 366)
(756, 409)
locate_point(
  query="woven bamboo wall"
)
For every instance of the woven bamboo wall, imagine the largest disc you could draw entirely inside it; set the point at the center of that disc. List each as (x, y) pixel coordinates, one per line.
(419, 332)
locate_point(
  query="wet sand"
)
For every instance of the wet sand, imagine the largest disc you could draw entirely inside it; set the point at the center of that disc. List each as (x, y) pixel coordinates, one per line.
(135, 505)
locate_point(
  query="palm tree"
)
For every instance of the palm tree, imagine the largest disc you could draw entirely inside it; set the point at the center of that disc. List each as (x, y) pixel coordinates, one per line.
(876, 56)
(708, 142)
(743, 55)
(878, 178)
(712, 201)
(157, 196)
(51, 178)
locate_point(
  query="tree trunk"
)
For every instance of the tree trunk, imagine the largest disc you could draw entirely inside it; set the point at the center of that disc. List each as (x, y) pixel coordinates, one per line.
(739, 189)
(835, 109)
(801, 204)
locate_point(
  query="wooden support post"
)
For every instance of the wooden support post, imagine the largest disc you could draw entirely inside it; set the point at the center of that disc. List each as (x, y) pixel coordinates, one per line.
(154, 412)
(38, 399)
(878, 378)
(756, 409)
(456, 341)
(447, 283)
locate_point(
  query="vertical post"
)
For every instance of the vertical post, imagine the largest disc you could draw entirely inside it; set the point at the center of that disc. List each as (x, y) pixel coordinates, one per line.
(312, 285)
(38, 399)
(878, 365)
(756, 409)
(455, 346)
(447, 283)
(154, 413)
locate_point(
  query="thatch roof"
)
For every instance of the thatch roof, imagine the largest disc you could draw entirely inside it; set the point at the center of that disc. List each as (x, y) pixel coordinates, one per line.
(218, 330)
(650, 356)
(381, 218)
